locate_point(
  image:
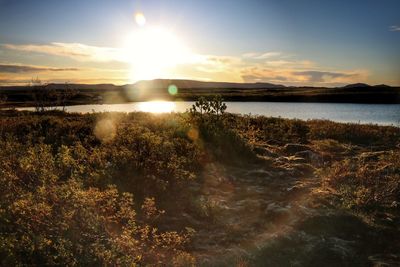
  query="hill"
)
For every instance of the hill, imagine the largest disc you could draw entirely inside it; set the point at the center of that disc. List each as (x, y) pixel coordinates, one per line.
(190, 90)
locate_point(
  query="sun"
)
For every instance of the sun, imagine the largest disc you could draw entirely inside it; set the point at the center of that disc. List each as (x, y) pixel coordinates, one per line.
(153, 52)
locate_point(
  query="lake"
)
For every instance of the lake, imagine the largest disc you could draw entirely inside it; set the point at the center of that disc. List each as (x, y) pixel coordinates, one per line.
(382, 114)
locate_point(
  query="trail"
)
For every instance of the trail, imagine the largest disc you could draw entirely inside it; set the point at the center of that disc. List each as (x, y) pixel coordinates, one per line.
(255, 204)
(272, 214)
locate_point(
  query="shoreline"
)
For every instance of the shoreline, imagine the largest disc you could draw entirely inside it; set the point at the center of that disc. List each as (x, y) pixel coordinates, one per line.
(17, 109)
(9, 104)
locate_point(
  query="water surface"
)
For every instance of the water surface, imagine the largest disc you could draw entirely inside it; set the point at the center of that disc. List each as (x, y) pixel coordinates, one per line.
(383, 114)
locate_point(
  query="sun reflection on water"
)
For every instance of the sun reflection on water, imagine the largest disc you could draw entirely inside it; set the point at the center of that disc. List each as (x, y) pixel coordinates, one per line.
(157, 106)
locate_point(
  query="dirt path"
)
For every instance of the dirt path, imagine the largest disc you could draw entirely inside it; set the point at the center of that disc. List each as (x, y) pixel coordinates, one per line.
(252, 206)
(272, 214)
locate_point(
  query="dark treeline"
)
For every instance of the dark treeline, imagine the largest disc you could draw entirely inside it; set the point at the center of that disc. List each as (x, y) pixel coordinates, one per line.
(107, 93)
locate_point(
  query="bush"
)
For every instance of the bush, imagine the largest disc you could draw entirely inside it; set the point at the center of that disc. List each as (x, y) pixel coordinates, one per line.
(67, 196)
(368, 182)
(204, 107)
(208, 118)
(360, 134)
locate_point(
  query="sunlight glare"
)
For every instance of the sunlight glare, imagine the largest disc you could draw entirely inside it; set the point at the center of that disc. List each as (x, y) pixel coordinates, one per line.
(153, 52)
(140, 19)
(157, 106)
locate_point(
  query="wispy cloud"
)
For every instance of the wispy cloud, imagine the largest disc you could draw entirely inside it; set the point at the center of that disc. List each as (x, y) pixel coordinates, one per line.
(77, 51)
(309, 77)
(11, 82)
(9, 68)
(323, 76)
(265, 55)
(394, 28)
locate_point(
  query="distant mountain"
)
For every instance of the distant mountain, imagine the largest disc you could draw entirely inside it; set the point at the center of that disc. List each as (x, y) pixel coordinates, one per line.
(382, 86)
(191, 84)
(186, 84)
(190, 90)
(364, 86)
(357, 85)
(62, 86)
(78, 86)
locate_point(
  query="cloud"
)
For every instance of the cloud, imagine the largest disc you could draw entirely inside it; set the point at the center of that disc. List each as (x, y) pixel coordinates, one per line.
(7, 68)
(262, 74)
(394, 28)
(291, 76)
(323, 76)
(281, 69)
(294, 64)
(10, 82)
(77, 51)
(254, 78)
(265, 55)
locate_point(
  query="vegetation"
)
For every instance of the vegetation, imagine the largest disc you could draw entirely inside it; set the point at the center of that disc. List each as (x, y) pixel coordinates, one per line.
(67, 196)
(193, 90)
(140, 189)
(369, 182)
(203, 107)
(45, 98)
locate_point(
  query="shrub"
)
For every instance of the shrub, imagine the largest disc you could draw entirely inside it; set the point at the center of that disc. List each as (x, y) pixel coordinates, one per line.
(203, 107)
(67, 195)
(366, 184)
(219, 138)
(360, 134)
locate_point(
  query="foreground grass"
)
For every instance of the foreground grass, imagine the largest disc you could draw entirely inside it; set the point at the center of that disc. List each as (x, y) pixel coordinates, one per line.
(126, 189)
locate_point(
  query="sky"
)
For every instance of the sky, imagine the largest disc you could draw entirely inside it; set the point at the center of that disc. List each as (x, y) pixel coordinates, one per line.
(290, 42)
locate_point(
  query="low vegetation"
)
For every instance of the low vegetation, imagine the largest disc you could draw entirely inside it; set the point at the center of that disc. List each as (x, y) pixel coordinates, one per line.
(135, 189)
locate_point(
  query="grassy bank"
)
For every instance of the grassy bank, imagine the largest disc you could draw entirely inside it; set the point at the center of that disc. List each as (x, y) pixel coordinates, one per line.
(183, 190)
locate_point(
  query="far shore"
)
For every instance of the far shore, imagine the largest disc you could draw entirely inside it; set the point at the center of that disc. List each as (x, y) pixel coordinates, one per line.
(83, 94)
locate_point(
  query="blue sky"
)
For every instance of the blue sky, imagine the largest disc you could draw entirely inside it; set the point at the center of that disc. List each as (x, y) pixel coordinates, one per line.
(359, 39)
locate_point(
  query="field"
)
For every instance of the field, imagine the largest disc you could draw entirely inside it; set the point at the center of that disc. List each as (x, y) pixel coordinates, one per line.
(196, 189)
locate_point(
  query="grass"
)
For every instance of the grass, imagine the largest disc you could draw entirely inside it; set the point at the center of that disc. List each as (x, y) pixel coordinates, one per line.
(114, 188)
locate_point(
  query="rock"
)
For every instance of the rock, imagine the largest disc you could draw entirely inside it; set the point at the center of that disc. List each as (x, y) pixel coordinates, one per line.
(296, 159)
(282, 160)
(303, 169)
(310, 156)
(290, 159)
(331, 251)
(277, 211)
(294, 148)
(274, 142)
(263, 151)
(258, 173)
(275, 208)
(385, 259)
(296, 188)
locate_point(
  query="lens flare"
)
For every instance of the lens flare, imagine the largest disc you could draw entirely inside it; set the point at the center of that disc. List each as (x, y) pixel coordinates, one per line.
(140, 19)
(172, 89)
(193, 134)
(105, 130)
